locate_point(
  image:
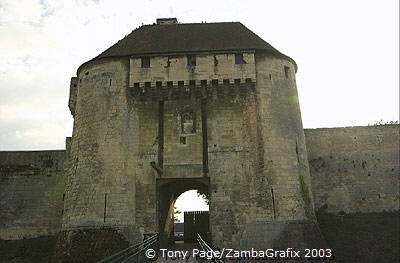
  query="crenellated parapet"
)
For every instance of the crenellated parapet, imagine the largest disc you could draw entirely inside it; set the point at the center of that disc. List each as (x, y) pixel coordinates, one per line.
(190, 89)
(192, 76)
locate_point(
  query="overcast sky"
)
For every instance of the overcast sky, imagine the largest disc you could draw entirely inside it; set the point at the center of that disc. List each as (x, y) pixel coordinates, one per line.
(347, 54)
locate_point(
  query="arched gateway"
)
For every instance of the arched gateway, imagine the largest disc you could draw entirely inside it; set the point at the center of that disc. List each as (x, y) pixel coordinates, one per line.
(168, 190)
(175, 106)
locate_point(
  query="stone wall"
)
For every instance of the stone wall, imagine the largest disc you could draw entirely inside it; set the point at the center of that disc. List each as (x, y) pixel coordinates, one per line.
(281, 181)
(355, 169)
(284, 153)
(144, 117)
(258, 177)
(256, 150)
(232, 155)
(362, 237)
(32, 187)
(175, 68)
(101, 181)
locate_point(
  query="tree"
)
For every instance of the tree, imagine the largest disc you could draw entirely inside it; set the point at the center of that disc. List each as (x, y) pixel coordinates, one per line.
(382, 122)
(176, 214)
(204, 196)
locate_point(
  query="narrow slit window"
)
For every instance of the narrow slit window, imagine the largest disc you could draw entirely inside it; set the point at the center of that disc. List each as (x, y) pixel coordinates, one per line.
(286, 72)
(239, 59)
(146, 62)
(191, 61)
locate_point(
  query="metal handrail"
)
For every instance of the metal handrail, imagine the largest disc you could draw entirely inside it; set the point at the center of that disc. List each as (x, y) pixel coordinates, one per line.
(205, 247)
(130, 252)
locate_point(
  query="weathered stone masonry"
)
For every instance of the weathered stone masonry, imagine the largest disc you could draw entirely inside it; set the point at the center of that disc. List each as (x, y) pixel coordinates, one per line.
(218, 111)
(355, 169)
(32, 192)
(33, 184)
(228, 115)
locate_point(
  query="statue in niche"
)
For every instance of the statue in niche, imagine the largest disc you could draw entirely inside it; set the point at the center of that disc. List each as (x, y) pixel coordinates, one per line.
(188, 123)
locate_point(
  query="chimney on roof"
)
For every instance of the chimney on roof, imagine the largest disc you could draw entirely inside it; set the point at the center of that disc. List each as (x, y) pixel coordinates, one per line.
(165, 21)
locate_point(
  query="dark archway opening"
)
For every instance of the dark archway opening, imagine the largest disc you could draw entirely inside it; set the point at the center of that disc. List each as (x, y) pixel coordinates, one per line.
(168, 190)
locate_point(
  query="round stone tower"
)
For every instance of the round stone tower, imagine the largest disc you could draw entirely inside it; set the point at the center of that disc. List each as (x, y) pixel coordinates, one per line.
(207, 105)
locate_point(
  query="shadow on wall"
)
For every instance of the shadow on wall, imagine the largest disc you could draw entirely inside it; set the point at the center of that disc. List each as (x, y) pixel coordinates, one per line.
(34, 250)
(362, 237)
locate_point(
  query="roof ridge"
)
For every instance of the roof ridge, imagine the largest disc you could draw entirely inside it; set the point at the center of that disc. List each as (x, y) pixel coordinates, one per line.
(174, 24)
(181, 24)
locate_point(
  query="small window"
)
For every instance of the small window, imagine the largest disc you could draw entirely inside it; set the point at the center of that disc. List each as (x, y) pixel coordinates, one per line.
(239, 59)
(286, 72)
(182, 140)
(146, 62)
(191, 61)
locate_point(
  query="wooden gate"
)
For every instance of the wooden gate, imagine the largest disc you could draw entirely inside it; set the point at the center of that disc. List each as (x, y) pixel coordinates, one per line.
(196, 222)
